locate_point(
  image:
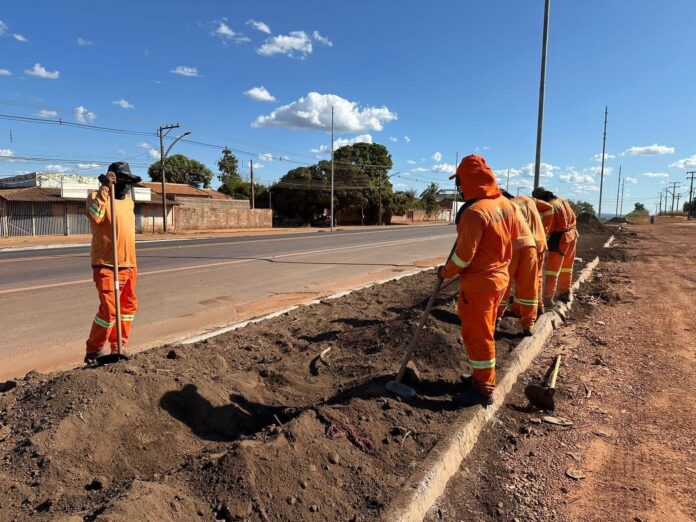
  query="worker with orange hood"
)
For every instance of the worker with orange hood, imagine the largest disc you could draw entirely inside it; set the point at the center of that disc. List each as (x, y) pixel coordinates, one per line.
(562, 239)
(486, 228)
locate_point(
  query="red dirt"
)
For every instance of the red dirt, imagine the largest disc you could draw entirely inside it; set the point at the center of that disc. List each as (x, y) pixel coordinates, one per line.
(248, 425)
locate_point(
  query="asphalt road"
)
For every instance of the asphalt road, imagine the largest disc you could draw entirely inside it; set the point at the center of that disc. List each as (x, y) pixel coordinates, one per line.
(186, 287)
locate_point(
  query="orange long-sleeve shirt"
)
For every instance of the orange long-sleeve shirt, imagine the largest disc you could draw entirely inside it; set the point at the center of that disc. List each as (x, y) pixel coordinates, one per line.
(530, 210)
(563, 216)
(486, 231)
(99, 214)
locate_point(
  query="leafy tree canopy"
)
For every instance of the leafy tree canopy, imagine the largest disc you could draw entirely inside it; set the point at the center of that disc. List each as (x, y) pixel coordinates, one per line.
(181, 169)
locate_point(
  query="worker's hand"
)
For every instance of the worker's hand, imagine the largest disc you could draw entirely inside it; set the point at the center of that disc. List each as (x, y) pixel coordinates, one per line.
(440, 272)
(108, 179)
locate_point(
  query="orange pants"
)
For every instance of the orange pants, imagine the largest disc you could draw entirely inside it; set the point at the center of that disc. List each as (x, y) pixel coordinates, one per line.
(477, 311)
(103, 327)
(558, 273)
(541, 259)
(524, 273)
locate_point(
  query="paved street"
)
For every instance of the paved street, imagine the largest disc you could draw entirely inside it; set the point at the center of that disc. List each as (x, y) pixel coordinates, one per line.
(188, 287)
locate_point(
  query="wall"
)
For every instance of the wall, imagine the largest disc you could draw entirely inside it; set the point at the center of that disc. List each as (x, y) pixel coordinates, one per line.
(209, 214)
(418, 216)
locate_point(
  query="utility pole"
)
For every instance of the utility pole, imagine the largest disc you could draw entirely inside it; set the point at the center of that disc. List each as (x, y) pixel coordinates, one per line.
(690, 176)
(456, 192)
(542, 86)
(507, 183)
(623, 186)
(379, 220)
(674, 191)
(162, 132)
(601, 175)
(332, 170)
(618, 191)
(518, 190)
(678, 196)
(251, 181)
(660, 207)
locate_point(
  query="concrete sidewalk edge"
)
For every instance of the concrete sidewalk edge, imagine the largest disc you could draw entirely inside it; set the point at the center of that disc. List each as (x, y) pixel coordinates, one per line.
(430, 478)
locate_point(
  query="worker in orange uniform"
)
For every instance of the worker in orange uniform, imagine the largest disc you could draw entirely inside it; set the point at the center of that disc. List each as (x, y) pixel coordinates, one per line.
(562, 240)
(486, 229)
(545, 211)
(524, 266)
(100, 218)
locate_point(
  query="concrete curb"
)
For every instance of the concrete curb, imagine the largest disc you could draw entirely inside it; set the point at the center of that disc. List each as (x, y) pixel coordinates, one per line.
(278, 313)
(430, 478)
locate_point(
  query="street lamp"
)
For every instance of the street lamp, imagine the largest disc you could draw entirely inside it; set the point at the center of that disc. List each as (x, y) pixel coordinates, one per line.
(163, 157)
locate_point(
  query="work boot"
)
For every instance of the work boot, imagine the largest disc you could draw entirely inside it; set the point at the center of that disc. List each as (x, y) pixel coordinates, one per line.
(549, 303)
(564, 298)
(471, 397)
(91, 357)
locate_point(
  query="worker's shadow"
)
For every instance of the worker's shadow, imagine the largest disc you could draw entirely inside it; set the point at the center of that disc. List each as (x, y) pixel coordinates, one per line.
(218, 423)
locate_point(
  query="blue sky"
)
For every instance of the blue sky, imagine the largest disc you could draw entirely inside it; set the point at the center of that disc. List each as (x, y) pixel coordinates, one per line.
(428, 79)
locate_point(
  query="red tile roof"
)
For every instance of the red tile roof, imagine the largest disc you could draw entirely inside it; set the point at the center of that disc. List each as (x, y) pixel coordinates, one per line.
(32, 194)
(181, 189)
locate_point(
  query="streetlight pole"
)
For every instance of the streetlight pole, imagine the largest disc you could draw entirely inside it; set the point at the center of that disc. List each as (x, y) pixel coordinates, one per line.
(542, 86)
(618, 191)
(601, 175)
(332, 168)
(162, 133)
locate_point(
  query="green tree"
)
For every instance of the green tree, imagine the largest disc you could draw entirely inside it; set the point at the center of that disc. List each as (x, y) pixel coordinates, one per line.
(405, 201)
(231, 183)
(639, 207)
(181, 169)
(581, 206)
(302, 194)
(429, 199)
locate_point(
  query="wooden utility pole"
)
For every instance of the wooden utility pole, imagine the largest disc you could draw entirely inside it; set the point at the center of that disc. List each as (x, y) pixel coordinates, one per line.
(542, 87)
(618, 191)
(601, 173)
(690, 176)
(674, 191)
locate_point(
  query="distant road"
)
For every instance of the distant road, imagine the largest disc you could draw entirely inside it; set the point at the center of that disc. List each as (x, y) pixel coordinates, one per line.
(185, 287)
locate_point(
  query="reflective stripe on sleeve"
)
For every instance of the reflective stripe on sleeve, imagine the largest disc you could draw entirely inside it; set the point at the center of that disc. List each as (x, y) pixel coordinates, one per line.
(567, 270)
(458, 261)
(527, 302)
(96, 211)
(551, 273)
(101, 322)
(127, 317)
(504, 303)
(482, 365)
(548, 213)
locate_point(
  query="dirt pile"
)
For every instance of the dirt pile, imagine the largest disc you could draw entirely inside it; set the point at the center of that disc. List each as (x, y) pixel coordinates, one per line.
(618, 220)
(589, 224)
(248, 425)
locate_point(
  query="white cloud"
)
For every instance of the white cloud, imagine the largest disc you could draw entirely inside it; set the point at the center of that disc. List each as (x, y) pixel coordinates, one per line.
(411, 162)
(226, 34)
(82, 42)
(631, 180)
(258, 166)
(124, 104)
(585, 189)
(40, 72)
(573, 176)
(88, 166)
(5, 72)
(649, 150)
(154, 154)
(437, 156)
(342, 142)
(259, 26)
(598, 170)
(502, 174)
(393, 139)
(56, 168)
(45, 113)
(420, 169)
(183, 70)
(322, 39)
(266, 157)
(82, 115)
(144, 145)
(19, 37)
(407, 139)
(655, 174)
(684, 163)
(607, 156)
(6, 153)
(297, 43)
(3, 28)
(259, 94)
(447, 168)
(314, 112)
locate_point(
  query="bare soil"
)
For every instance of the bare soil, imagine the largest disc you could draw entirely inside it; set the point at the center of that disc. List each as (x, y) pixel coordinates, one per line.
(627, 385)
(250, 425)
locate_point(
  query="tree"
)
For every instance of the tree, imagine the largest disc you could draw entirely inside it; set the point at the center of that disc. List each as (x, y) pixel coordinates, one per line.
(181, 169)
(639, 207)
(581, 206)
(232, 183)
(405, 201)
(302, 194)
(429, 199)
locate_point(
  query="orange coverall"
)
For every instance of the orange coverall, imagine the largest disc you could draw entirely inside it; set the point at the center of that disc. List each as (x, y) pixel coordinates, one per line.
(486, 230)
(562, 240)
(99, 213)
(524, 273)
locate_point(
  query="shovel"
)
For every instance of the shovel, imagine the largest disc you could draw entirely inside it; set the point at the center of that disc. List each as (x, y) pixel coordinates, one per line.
(118, 356)
(542, 396)
(396, 386)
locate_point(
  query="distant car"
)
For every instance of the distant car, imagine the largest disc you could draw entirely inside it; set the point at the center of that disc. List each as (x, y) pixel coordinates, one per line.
(322, 221)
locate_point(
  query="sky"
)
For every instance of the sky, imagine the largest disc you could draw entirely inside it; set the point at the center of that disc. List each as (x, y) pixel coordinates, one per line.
(432, 81)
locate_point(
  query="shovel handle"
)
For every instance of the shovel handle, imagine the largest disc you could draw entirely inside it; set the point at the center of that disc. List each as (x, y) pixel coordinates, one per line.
(114, 247)
(556, 367)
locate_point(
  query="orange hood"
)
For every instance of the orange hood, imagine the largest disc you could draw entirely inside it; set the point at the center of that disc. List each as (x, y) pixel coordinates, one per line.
(476, 179)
